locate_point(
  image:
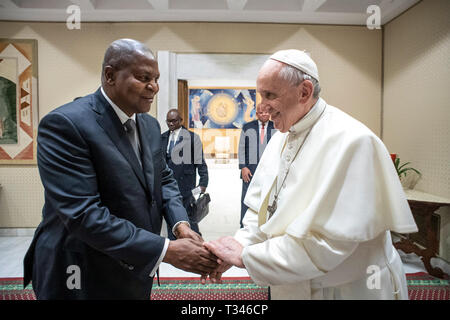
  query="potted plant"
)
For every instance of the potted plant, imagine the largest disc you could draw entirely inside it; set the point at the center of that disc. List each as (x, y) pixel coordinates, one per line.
(408, 182)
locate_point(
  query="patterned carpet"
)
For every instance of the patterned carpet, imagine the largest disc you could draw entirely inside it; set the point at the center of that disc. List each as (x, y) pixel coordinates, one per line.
(192, 289)
(421, 286)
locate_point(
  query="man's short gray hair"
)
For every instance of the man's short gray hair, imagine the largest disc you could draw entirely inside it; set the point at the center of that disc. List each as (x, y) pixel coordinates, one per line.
(295, 77)
(122, 52)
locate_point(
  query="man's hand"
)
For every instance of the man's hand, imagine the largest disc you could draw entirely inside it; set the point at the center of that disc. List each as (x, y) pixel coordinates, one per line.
(246, 174)
(190, 255)
(184, 231)
(228, 250)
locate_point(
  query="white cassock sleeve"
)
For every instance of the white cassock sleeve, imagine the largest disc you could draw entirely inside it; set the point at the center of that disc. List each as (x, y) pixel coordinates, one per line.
(287, 260)
(251, 233)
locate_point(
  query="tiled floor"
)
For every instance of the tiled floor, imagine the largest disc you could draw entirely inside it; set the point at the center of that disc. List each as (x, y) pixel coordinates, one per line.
(12, 251)
(223, 219)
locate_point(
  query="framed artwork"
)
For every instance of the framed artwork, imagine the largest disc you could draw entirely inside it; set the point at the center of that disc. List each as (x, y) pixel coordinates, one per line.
(221, 108)
(18, 101)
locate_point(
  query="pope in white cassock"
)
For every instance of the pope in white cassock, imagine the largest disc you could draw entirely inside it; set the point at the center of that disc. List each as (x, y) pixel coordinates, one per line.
(322, 201)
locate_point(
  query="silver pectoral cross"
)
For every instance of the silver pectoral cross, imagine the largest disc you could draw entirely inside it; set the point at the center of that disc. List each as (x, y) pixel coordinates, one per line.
(271, 209)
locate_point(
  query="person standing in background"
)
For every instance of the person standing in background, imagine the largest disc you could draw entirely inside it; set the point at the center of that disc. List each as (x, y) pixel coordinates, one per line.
(253, 140)
(184, 155)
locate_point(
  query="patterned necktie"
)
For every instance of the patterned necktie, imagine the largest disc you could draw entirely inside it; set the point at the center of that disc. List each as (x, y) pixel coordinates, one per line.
(130, 129)
(261, 136)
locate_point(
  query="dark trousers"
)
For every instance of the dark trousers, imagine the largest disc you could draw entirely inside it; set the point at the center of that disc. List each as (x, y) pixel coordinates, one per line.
(194, 226)
(243, 206)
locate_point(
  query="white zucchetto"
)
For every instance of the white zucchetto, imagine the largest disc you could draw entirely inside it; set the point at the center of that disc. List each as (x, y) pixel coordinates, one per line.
(299, 60)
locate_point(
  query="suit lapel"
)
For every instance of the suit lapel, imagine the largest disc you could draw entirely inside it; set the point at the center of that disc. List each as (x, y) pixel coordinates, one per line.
(181, 137)
(256, 128)
(109, 121)
(165, 141)
(182, 140)
(147, 157)
(269, 130)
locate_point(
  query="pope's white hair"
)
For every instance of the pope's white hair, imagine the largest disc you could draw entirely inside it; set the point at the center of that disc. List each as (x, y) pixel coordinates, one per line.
(295, 77)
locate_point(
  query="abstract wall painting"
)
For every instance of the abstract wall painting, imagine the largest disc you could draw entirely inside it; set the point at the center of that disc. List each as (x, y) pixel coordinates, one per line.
(221, 108)
(18, 101)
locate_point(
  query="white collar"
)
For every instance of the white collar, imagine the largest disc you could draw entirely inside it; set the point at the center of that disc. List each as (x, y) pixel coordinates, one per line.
(175, 133)
(122, 115)
(310, 118)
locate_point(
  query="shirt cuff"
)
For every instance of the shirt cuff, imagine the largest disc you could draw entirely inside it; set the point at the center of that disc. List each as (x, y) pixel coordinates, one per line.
(161, 257)
(176, 225)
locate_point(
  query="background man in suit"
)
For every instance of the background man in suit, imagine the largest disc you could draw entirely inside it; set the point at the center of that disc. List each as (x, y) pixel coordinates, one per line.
(107, 187)
(184, 155)
(254, 137)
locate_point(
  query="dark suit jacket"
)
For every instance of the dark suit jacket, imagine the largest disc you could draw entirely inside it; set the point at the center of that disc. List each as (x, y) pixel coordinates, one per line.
(249, 145)
(187, 157)
(103, 211)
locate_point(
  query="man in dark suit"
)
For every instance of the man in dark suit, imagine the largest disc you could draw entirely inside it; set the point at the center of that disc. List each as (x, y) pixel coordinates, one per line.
(184, 155)
(254, 137)
(107, 187)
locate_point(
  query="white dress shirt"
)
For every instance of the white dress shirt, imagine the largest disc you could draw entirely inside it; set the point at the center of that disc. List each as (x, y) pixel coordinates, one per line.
(123, 117)
(173, 136)
(260, 128)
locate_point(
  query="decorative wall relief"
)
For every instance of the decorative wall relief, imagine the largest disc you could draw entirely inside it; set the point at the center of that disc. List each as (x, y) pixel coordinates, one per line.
(18, 101)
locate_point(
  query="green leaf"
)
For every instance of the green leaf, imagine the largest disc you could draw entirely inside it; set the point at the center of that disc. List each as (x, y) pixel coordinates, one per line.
(403, 165)
(396, 163)
(402, 170)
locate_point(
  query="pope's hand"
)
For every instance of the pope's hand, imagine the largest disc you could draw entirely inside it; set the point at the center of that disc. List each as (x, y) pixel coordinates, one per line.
(216, 275)
(228, 250)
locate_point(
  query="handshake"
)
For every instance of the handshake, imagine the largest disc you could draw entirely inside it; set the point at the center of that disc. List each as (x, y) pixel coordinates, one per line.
(190, 253)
